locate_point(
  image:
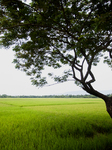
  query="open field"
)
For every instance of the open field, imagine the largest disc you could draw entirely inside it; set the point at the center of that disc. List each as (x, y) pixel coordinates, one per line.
(54, 124)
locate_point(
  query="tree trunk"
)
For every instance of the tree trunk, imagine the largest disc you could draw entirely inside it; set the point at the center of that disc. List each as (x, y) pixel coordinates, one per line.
(108, 100)
(108, 103)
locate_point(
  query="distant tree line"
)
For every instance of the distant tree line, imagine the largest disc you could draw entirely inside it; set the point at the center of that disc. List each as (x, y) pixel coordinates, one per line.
(51, 96)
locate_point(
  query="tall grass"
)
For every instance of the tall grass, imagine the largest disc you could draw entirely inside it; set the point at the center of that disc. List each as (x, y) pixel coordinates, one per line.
(54, 124)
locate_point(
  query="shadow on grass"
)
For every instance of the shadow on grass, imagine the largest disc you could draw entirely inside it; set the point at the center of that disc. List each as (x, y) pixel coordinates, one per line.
(102, 129)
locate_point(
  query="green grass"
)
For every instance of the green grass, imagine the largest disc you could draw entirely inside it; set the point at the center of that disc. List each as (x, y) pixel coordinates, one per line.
(54, 124)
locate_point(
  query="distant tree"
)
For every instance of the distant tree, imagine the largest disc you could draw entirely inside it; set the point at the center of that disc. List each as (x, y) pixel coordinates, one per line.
(4, 96)
(59, 32)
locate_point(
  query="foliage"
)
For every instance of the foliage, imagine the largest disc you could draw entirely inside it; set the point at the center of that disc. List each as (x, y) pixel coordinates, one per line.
(56, 33)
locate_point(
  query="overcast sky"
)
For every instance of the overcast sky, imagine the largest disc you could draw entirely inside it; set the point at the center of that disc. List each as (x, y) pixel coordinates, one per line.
(16, 82)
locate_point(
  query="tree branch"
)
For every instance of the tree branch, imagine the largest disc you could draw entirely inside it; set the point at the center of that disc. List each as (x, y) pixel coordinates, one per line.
(17, 25)
(110, 54)
(99, 48)
(58, 83)
(85, 22)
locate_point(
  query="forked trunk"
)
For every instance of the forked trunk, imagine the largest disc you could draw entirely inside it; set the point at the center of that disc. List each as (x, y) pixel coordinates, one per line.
(108, 102)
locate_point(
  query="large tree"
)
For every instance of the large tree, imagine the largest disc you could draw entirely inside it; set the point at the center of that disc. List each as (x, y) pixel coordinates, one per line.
(59, 32)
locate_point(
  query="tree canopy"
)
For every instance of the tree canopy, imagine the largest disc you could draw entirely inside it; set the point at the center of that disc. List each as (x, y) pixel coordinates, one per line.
(56, 33)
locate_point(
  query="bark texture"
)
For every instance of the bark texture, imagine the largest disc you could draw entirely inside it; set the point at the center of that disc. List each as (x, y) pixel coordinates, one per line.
(108, 102)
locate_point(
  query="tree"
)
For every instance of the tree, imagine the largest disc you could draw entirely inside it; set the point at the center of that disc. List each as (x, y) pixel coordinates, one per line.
(56, 33)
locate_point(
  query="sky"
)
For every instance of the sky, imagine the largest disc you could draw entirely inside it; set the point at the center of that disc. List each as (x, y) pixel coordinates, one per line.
(15, 82)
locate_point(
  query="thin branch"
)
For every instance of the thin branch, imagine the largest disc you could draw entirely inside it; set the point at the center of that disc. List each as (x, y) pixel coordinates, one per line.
(89, 68)
(85, 22)
(79, 69)
(64, 15)
(62, 40)
(99, 48)
(110, 53)
(82, 69)
(74, 63)
(93, 78)
(17, 25)
(74, 75)
(58, 82)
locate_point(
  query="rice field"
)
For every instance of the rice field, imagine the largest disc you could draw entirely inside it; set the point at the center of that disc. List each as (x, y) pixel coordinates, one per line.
(54, 124)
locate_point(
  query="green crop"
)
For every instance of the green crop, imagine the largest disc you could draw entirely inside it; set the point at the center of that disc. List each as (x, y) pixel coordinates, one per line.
(54, 124)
